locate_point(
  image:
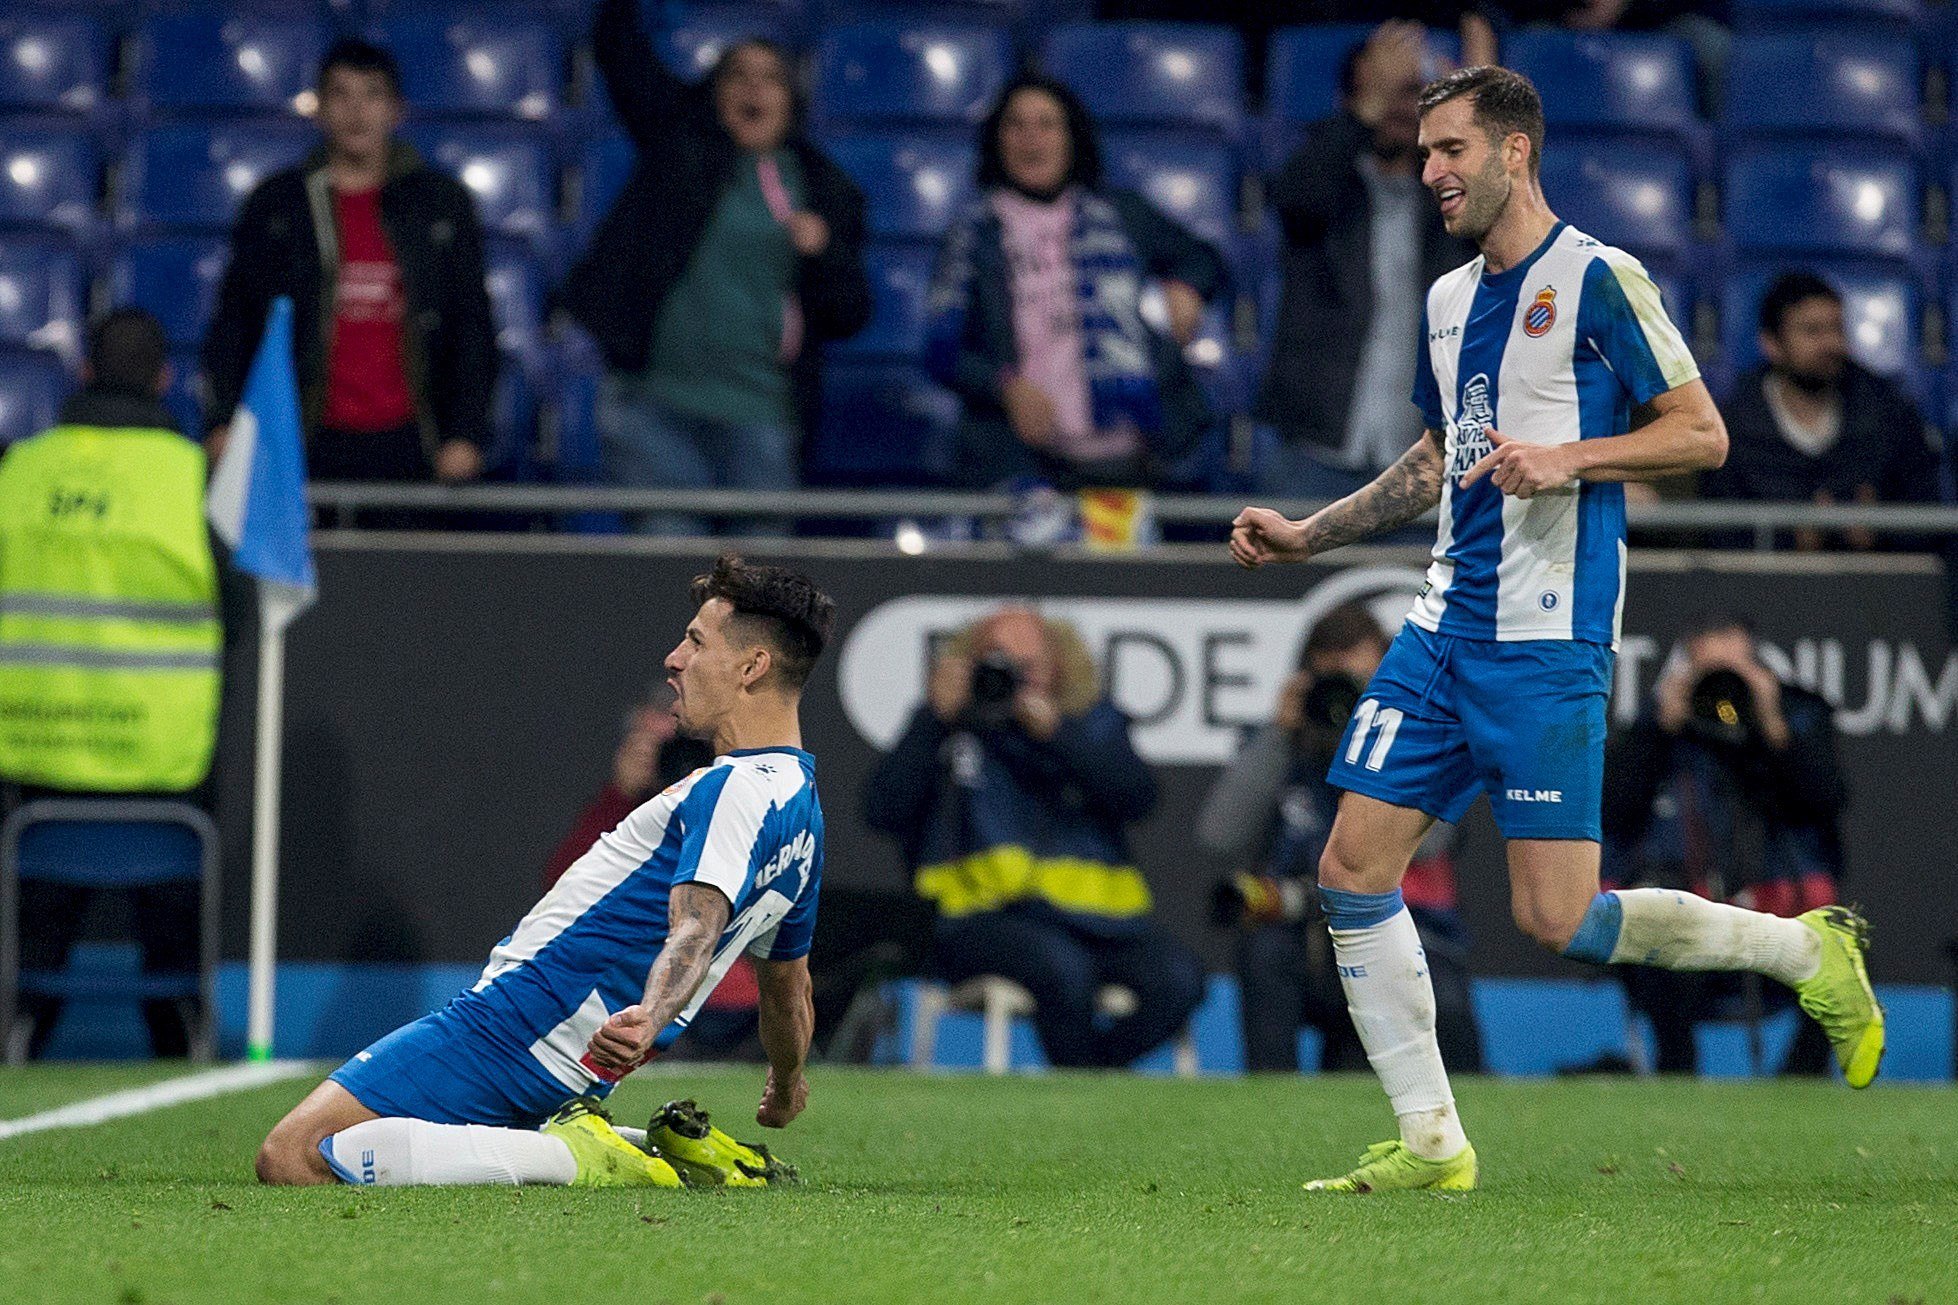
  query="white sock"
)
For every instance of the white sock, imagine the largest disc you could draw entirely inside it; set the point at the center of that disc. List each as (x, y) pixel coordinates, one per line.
(1384, 971)
(416, 1153)
(1677, 930)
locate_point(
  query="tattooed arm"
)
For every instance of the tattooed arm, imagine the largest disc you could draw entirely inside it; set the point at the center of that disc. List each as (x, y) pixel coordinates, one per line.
(696, 915)
(1397, 495)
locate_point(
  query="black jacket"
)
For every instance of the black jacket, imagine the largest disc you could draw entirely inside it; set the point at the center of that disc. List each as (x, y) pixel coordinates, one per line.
(1882, 445)
(1327, 297)
(277, 249)
(685, 160)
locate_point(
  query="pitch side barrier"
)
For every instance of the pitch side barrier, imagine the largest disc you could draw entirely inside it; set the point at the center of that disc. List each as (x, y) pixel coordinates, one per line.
(454, 700)
(1723, 521)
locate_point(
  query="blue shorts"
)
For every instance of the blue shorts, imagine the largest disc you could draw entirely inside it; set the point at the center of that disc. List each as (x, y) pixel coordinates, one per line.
(1446, 718)
(441, 1070)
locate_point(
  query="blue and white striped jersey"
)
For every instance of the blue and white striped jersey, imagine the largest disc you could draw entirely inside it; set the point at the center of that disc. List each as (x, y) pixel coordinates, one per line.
(1560, 347)
(750, 825)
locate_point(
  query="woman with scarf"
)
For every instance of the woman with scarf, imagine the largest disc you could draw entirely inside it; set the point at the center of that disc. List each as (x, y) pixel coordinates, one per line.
(1036, 310)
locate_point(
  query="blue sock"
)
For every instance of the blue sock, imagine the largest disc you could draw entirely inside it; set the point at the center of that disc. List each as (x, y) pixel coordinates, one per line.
(1597, 933)
(1346, 910)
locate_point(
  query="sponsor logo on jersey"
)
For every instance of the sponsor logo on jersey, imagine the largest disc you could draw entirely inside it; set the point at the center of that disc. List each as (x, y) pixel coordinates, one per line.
(1472, 427)
(1547, 600)
(1541, 314)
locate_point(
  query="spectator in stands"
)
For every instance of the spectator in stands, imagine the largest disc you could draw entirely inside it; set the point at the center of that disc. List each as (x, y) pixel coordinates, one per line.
(1363, 242)
(1811, 425)
(651, 755)
(1011, 789)
(1035, 311)
(734, 251)
(1727, 786)
(382, 256)
(1267, 817)
(109, 643)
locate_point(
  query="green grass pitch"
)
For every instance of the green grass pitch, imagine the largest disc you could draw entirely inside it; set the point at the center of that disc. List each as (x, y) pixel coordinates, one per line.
(1052, 1188)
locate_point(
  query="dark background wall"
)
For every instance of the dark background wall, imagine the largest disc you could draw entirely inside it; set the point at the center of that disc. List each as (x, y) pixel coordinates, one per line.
(449, 711)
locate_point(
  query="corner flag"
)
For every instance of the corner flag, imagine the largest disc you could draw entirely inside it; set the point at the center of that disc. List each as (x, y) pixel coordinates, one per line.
(257, 506)
(257, 500)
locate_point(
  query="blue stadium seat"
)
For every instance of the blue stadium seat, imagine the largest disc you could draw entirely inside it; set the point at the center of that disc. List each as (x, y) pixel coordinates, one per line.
(881, 424)
(53, 62)
(914, 182)
(50, 175)
(1302, 66)
(1625, 81)
(516, 292)
(1638, 195)
(1854, 84)
(900, 277)
(604, 165)
(196, 174)
(507, 168)
(1174, 74)
(894, 71)
(1194, 181)
(33, 384)
(1778, 15)
(43, 294)
(692, 38)
(174, 277)
(213, 59)
(1821, 199)
(478, 62)
(1882, 309)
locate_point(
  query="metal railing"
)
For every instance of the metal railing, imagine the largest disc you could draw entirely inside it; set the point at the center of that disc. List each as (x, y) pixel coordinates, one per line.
(342, 501)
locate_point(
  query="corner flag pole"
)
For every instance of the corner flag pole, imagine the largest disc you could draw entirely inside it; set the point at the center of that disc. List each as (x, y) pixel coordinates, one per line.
(257, 506)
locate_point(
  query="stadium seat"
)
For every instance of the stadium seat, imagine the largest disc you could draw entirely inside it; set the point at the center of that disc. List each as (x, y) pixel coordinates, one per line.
(507, 167)
(1638, 195)
(516, 293)
(900, 276)
(692, 38)
(881, 424)
(1624, 81)
(487, 63)
(1827, 199)
(174, 277)
(1302, 67)
(196, 174)
(1882, 309)
(1854, 84)
(43, 295)
(1156, 74)
(914, 183)
(1754, 16)
(1194, 181)
(894, 71)
(210, 58)
(53, 62)
(33, 384)
(603, 167)
(49, 175)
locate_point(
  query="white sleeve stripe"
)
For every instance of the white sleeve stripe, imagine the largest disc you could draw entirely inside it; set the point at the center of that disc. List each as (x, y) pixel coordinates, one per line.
(1661, 336)
(733, 827)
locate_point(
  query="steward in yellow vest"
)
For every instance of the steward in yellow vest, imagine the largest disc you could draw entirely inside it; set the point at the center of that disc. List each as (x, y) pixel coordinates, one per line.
(109, 631)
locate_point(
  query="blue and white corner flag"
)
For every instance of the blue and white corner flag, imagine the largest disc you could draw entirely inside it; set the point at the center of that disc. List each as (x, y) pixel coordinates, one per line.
(257, 500)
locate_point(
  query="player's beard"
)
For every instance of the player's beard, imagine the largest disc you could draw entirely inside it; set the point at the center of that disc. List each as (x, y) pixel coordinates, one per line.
(1484, 201)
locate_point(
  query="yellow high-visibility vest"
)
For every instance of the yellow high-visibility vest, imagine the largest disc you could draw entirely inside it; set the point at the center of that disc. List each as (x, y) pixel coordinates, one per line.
(109, 635)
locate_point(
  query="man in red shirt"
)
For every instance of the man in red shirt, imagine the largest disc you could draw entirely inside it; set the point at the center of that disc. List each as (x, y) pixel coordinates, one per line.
(383, 257)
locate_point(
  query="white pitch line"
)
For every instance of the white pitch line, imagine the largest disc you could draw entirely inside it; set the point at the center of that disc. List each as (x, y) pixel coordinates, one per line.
(142, 1100)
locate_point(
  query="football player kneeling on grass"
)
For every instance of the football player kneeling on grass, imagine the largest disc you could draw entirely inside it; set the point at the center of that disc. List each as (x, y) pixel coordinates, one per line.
(504, 1084)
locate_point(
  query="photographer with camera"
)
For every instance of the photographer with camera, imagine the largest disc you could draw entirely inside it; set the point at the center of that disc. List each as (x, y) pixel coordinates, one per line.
(1268, 814)
(1726, 786)
(1010, 790)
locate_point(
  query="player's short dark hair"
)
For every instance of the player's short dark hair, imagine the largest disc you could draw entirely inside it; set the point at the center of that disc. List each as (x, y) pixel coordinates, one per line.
(783, 608)
(1084, 145)
(1790, 289)
(127, 350)
(1505, 102)
(360, 56)
(1345, 627)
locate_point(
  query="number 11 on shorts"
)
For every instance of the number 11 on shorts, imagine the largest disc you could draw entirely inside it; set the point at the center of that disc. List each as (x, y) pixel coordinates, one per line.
(1369, 714)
